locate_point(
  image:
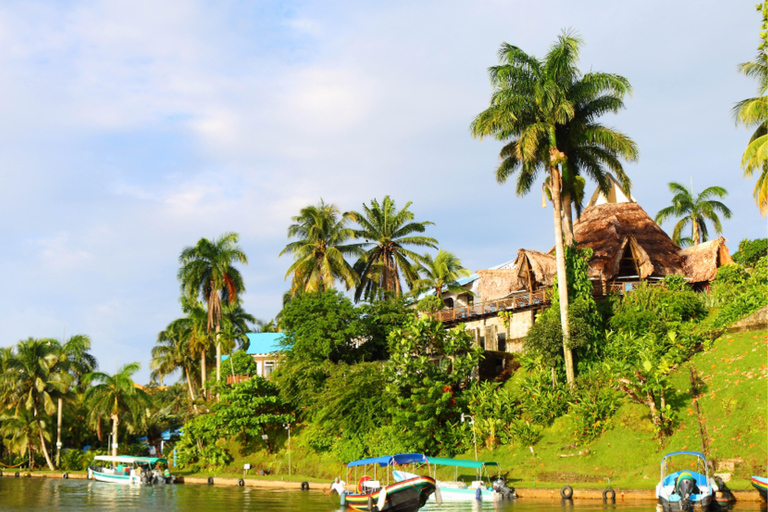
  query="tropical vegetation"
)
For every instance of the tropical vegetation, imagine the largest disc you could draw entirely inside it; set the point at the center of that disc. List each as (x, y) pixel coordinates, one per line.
(694, 210)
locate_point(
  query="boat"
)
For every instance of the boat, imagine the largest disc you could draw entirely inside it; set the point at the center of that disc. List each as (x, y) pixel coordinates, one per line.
(685, 489)
(761, 484)
(477, 490)
(408, 495)
(125, 469)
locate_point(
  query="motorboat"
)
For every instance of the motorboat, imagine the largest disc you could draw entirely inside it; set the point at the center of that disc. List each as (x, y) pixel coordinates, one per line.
(685, 489)
(126, 469)
(408, 495)
(761, 484)
(479, 489)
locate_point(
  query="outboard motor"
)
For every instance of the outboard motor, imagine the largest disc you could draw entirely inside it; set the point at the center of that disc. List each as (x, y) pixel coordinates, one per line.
(684, 487)
(500, 486)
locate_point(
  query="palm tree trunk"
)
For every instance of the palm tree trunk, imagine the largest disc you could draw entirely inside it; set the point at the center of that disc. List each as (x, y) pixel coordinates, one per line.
(567, 218)
(191, 391)
(58, 437)
(203, 374)
(562, 282)
(218, 353)
(42, 441)
(115, 421)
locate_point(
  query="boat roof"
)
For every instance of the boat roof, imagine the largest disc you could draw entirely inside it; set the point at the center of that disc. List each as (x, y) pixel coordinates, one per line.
(476, 464)
(388, 460)
(129, 459)
(695, 454)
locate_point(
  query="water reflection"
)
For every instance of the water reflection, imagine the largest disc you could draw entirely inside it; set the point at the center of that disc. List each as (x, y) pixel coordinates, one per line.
(46, 495)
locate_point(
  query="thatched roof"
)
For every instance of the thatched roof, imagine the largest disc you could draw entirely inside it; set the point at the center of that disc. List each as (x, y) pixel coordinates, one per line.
(703, 260)
(497, 283)
(612, 229)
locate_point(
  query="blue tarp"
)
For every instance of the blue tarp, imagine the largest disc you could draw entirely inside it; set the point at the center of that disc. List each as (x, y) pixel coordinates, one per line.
(388, 460)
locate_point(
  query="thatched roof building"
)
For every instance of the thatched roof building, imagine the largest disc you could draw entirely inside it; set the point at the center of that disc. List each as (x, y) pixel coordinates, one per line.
(530, 271)
(626, 243)
(702, 261)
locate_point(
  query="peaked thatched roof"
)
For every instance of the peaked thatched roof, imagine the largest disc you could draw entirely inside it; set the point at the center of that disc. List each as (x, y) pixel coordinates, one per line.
(543, 267)
(611, 229)
(703, 260)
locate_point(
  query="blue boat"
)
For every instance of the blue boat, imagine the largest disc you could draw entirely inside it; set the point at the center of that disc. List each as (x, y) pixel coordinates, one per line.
(684, 490)
(125, 469)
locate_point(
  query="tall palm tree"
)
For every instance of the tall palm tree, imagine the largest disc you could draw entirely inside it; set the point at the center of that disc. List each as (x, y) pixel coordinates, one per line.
(76, 360)
(390, 231)
(208, 271)
(533, 100)
(753, 112)
(694, 210)
(319, 251)
(441, 273)
(31, 382)
(118, 398)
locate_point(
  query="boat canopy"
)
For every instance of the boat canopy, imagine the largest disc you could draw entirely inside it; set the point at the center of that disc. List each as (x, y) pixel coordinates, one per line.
(127, 459)
(389, 460)
(460, 463)
(695, 454)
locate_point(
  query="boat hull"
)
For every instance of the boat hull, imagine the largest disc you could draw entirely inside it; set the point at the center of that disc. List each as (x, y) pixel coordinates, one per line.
(113, 479)
(761, 484)
(406, 496)
(683, 506)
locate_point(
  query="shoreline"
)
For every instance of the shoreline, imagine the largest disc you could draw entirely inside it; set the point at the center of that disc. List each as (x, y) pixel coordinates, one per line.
(532, 493)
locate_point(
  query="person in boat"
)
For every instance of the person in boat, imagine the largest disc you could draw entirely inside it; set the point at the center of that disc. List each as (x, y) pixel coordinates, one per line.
(338, 485)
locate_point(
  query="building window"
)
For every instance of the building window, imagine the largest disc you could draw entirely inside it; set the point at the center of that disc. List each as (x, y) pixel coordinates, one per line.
(269, 367)
(502, 342)
(448, 302)
(482, 342)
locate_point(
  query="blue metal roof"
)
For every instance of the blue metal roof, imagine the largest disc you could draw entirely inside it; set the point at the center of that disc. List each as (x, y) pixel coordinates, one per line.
(387, 460)
(264, 342)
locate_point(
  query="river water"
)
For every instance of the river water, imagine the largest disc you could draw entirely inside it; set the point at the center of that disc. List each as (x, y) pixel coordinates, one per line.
(43, 494)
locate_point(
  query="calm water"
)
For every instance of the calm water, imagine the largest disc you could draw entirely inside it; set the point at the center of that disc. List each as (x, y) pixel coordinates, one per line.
(38, 495)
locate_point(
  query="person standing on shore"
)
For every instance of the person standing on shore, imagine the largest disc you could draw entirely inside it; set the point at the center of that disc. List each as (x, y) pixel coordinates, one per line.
(338, 485)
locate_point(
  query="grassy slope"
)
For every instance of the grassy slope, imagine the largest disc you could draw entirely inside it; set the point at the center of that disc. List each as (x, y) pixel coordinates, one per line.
(734, 394)
(733, 404)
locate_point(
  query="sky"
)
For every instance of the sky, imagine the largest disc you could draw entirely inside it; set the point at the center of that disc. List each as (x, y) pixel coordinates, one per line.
(129, 130)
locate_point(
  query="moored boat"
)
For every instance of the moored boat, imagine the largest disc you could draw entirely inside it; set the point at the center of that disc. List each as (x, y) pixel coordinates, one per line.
(685, 489)
(125, 469)
(761, 484)
(408, 495)
(480, 489)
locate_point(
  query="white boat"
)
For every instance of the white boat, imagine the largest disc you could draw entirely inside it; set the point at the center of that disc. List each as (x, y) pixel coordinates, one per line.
(684, 490)
(460, 491)
(125, 469)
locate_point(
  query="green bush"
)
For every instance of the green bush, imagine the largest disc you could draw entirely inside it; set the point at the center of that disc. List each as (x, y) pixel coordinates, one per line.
(750, 251)
(74, 460)
(522, 432)
(540, 401)
(749, 297)
(655, 309)
(593, 405)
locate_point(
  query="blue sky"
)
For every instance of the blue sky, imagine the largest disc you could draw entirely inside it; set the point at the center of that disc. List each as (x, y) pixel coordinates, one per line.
(129, 130)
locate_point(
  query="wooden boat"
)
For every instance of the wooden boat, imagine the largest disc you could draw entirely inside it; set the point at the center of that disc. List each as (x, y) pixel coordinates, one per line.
(408, 495)
(124, 469)
(761, 484)
(685, 490)
(455, 490)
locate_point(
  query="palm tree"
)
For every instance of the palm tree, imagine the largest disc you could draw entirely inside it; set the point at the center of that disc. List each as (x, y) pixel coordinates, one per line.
(172, 352)
(390, 231)
(21, 431)
(208, 271)
(532, 103)
(320, 249)
(31, 383)
(694, 210)
(441, 273)
(753, 112)
(118, 398)
(76, 360)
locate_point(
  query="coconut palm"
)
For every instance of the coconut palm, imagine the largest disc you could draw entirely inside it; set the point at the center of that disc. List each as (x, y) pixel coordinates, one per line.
(388, 232)
(320, 249)
(207, 271)
(76, 360)
(753, 112)
(31, 383)
(22, 433)
(118, 398)
(694, 210)
(441, 273)
(534, 98)
(172, 352)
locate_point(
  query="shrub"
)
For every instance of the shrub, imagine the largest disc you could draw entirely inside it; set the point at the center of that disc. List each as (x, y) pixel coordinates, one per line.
(750, 251)
(593, 406)
(655, 309)
(523, 433)
(74, 460)
(540, 401)
(749, 297)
